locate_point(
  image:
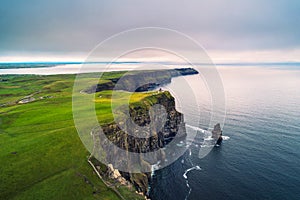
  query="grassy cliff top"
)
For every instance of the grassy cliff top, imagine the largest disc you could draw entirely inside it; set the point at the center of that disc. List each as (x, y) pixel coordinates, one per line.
(103, 101)
(41, 154)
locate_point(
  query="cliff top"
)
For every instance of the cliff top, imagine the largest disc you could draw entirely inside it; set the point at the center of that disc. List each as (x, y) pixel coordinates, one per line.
(104, 99)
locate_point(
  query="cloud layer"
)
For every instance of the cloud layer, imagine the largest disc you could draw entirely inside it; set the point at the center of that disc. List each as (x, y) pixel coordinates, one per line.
(78, 25)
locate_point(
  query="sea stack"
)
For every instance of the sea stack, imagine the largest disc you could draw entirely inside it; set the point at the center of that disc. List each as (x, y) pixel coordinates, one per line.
(217, 134)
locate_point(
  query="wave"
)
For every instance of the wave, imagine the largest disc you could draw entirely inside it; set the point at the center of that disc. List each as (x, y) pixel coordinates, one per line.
(209, 139)
(207, 145)
(195, 128)
(186, 179)
(190, 169)
(207, 133)
(154, 167)
(225, 137)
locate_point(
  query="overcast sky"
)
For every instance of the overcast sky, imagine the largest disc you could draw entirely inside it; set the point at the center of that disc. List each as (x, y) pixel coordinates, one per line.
(72, 27)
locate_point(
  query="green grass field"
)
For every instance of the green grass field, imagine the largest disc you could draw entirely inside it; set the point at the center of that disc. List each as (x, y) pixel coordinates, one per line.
(41, 154)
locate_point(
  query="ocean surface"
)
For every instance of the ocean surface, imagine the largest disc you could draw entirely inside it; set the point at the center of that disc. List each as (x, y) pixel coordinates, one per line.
(260, 156)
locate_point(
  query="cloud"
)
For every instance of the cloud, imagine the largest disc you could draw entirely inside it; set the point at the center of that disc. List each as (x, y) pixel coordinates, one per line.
(79, 25)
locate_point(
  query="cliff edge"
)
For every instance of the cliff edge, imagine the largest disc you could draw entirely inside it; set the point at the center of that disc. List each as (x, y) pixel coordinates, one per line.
(153, 140)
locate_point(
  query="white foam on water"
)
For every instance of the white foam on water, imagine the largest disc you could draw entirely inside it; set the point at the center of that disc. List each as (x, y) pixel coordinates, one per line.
(207, 145)
(190, 169)
(186, 179)
(195, 128)
(209, 139)
(225, 137)
(154, 168)
(180, 145)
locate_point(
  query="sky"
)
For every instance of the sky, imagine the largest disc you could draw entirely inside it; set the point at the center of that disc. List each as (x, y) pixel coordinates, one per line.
(229, 30)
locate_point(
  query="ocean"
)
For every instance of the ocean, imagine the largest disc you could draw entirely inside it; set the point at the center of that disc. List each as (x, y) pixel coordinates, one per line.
(260, 156)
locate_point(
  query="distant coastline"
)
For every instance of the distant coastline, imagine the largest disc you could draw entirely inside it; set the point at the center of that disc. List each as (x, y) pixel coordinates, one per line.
(55, 68)
(37, 64)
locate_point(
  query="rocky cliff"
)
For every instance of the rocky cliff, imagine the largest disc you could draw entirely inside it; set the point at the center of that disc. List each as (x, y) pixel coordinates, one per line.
(140, 80)
(217, 134)
(153, 138)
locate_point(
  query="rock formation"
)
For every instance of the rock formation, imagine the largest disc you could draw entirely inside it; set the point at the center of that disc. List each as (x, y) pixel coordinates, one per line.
(170, 121)
(217, 134)
(115, 174)
(141, 80)
(156, 140)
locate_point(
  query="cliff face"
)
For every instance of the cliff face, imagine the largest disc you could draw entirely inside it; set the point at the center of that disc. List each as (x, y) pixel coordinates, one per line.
(154, 139)
(141, 80)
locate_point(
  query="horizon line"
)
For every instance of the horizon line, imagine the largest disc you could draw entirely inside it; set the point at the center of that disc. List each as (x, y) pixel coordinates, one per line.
(151, 62)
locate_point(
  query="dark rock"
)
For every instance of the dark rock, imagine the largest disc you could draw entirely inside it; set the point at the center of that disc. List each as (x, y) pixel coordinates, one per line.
(186, 71)
(174, 126)
(141, 81)
(217, 134)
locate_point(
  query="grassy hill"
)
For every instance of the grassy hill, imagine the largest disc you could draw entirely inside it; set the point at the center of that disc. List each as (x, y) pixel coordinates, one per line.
(41, 154)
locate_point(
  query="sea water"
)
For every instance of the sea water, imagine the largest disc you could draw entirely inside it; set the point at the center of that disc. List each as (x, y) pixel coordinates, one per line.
(260, 154)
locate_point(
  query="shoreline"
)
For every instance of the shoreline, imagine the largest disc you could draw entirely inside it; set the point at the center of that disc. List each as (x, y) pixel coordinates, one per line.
(75, 69)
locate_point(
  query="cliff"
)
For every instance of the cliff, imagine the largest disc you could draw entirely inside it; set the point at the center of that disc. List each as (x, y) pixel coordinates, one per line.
(140, 81)
(155, 138)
